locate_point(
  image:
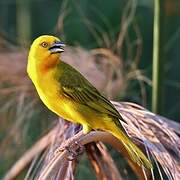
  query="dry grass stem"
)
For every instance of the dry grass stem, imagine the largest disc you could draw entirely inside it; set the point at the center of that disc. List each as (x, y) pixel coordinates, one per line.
(37, 148)
(146, 129)
(126, 20)
(102, 162)
(157, 136)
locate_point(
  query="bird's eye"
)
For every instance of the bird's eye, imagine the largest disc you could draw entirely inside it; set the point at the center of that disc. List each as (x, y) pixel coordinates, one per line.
(44, 44)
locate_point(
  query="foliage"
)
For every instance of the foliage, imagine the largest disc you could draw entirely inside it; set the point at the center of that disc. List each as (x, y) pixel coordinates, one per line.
(118, 35)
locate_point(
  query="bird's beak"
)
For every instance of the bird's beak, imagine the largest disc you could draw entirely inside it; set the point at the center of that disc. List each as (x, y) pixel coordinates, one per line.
(57, 47)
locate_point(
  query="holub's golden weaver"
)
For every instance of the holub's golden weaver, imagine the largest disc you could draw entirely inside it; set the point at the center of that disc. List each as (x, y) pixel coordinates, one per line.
(68, 94)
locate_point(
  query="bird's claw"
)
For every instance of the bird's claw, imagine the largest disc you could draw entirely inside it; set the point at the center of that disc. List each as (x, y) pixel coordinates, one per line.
(60, 150)
(80, 148)
(74, 150)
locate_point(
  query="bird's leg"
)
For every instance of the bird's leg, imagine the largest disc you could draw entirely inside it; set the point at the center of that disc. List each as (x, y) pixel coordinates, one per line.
(79, 148)
(72, 146)
(86, 128)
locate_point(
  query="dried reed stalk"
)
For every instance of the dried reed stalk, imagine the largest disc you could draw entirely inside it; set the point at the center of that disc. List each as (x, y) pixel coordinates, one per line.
(149, 131)
(155, 135)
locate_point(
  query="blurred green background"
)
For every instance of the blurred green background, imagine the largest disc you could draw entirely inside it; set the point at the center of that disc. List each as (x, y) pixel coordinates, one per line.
(85, 23)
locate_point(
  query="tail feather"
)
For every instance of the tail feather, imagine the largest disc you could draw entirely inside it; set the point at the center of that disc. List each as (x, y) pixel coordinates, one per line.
(134, 152)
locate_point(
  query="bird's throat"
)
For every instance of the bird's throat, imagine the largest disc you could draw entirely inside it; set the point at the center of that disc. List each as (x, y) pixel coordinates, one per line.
(48, 64)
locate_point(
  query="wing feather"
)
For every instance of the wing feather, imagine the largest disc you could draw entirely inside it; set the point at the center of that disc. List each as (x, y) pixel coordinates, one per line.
(80, 90)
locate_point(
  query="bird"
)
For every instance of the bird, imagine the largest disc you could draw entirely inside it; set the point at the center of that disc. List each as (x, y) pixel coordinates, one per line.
(67, 93)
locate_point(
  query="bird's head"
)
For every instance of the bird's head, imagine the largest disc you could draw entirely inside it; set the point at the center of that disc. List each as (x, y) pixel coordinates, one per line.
(45, 52)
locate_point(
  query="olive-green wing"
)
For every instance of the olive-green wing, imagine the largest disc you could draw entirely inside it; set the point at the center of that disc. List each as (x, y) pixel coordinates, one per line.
(80, 90)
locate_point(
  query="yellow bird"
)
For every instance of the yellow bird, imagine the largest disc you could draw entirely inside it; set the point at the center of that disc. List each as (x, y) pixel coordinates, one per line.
(67, 93)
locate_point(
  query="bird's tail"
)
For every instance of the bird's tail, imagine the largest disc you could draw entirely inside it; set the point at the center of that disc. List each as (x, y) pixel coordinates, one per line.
(135, 153)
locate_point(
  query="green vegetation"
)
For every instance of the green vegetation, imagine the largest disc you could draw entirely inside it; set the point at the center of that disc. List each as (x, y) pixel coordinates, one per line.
(147, 68)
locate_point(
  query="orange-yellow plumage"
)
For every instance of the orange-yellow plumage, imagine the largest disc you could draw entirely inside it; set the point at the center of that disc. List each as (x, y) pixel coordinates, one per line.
(68, 94)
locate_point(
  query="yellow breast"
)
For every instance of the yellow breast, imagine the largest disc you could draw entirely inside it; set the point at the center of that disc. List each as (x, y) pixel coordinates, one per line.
(50, 93)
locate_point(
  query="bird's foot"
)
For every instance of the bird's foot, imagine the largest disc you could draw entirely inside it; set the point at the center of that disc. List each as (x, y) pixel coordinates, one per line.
(74, 150)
